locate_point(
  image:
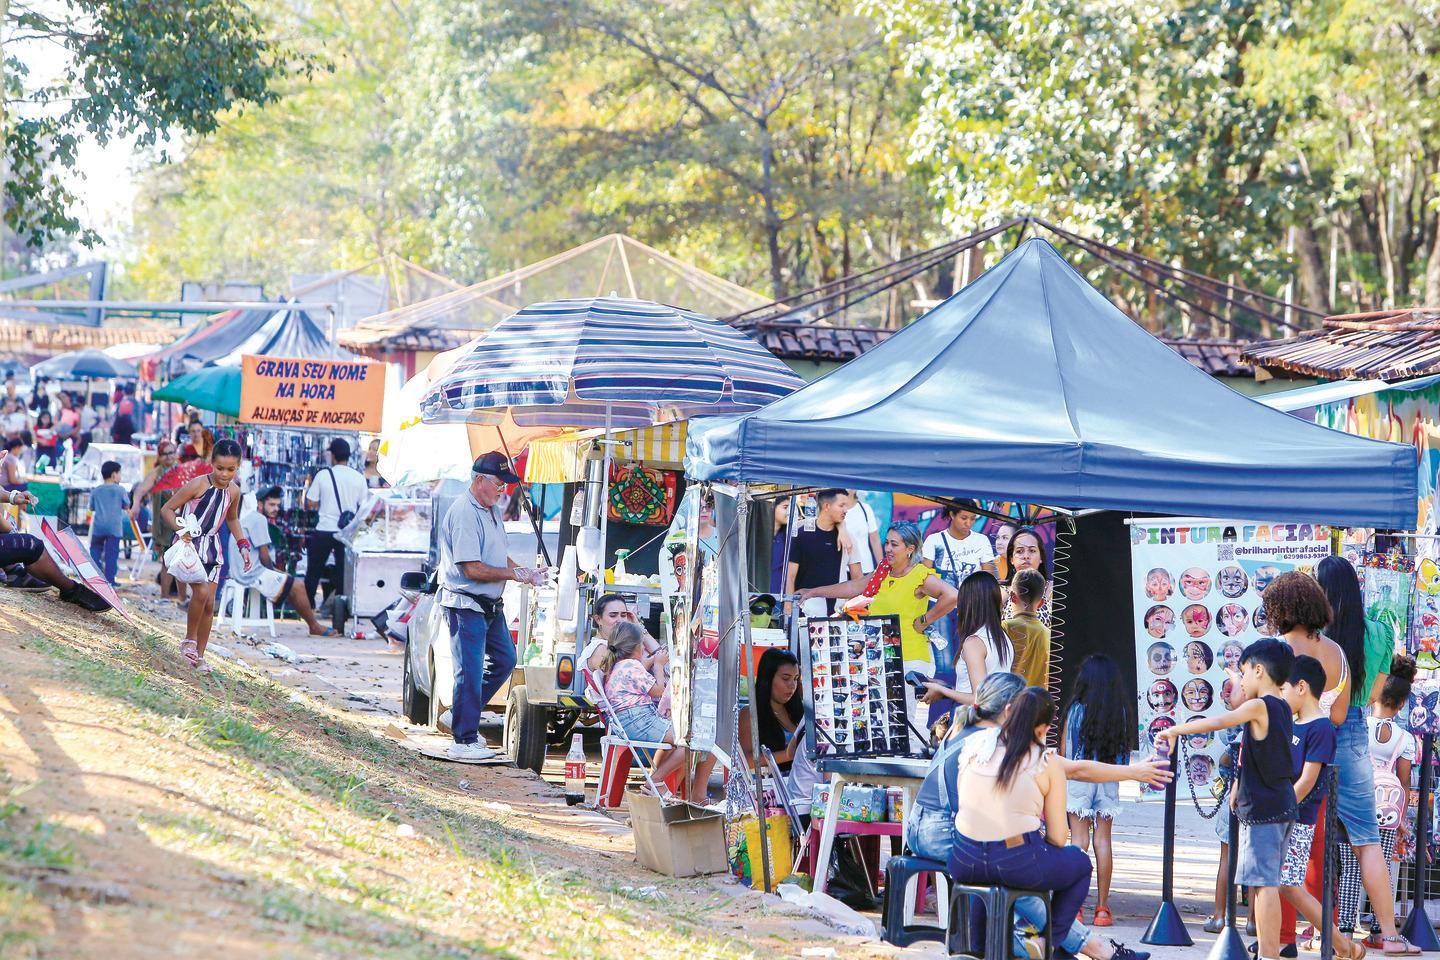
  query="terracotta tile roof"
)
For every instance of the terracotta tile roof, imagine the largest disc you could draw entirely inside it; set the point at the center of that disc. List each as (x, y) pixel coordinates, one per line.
(51, 338)
(1388, 345)
(1217, 356)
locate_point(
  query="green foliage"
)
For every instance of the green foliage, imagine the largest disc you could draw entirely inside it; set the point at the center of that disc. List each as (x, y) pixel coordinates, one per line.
(141, 70)
(475, 138)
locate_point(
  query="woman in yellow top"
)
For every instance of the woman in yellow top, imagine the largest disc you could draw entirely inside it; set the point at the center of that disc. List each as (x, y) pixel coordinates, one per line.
(905, 591)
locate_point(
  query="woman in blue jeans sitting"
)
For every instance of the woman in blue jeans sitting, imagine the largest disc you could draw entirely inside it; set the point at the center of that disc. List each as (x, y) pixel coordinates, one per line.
(930, 829)
(1011, 827)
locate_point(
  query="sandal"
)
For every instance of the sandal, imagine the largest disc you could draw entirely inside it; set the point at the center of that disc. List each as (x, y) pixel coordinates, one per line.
(203, 667)
(1354, 949)
(1103, 917)
(1405, 947)
(190, 650)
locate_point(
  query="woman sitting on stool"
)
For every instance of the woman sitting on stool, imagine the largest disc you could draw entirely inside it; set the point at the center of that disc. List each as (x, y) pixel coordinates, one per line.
(1007, 782)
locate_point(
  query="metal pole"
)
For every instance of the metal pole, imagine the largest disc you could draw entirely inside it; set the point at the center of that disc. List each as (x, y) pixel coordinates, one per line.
(742, 544)
(1230, 945)
(1168, 928)
(1327, 871)
(1417, 927)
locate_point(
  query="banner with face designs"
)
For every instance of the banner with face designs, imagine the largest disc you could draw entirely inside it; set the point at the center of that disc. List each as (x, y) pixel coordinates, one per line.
(1199, 601)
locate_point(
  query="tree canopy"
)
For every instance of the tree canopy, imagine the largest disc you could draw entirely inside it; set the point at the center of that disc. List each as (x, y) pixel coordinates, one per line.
(1288, 145)
(143, 70)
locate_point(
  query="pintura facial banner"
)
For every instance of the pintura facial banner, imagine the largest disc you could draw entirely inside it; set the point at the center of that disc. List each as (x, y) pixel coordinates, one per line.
(1199, 602)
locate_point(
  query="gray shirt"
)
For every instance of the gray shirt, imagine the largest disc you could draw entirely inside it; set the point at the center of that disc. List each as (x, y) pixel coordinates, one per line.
(469, 533)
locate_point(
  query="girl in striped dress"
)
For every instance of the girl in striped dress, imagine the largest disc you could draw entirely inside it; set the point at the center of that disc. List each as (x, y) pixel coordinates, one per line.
(211, 501)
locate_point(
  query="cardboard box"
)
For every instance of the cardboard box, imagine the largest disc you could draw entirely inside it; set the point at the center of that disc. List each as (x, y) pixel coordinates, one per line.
(678, 839)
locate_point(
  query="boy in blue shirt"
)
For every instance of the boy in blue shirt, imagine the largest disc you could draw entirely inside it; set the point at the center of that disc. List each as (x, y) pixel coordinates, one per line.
(1312, 745)
(108, 504)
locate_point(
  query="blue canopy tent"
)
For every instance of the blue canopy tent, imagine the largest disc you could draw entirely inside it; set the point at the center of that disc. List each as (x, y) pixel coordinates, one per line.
(1030, 385)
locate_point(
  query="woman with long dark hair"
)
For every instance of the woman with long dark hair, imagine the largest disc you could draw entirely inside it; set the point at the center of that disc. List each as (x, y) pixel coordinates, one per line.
(1098, 722)
(1367, 648)
(1301, 611)
(1026, 551)
(1007, 783)
(985, 648)
(780, 719)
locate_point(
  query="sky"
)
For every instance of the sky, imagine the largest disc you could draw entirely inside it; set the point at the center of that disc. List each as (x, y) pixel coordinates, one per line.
(105, 180)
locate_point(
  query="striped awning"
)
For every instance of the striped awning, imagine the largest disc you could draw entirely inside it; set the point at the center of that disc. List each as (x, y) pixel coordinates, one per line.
(562, 459)
(608, 361)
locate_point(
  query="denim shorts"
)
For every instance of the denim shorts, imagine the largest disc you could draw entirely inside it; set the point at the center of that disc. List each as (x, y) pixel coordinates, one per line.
(1092, 800)
(1262, 853)
(1355, 791)
(643, 723)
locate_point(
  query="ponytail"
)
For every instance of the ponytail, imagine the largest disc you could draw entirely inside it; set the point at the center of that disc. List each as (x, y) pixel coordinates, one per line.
(623, 641)
(1029, 710)
(994, 695)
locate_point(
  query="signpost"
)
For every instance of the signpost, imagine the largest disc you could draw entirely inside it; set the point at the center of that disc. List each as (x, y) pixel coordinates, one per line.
(338, 395)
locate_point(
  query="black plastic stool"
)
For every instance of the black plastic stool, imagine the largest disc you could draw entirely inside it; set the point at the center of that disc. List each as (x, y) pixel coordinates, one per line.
(999, 906)
(898, 873)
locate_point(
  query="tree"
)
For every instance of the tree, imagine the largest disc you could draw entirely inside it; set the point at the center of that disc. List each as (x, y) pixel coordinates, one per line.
(316, 181)
(1130, 120)
(145, 70)
(1354, 82)
(777, 125)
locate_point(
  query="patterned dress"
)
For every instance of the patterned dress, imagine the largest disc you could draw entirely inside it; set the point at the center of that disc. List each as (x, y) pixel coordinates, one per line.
(209, 510)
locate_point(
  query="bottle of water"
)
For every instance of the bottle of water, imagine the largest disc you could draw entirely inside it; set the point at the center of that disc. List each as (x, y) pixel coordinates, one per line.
(575, 771)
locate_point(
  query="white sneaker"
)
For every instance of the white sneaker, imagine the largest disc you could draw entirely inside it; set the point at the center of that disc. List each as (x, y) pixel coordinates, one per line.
(470, 752)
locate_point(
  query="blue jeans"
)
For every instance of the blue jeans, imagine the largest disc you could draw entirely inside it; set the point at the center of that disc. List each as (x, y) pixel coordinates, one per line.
(944, 673)
(105, 551)
(474, 639)
(1034, 864)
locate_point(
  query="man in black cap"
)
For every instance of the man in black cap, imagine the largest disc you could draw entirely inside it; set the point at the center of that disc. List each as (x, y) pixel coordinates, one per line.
(336, 494)
(474, 567)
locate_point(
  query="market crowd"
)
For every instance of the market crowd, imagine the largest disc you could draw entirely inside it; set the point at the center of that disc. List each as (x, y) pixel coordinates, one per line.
(195, 473)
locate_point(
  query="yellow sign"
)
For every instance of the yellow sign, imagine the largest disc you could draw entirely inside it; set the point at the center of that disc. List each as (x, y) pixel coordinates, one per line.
(314, 394)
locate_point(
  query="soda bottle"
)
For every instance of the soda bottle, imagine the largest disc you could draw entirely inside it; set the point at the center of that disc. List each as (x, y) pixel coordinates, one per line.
(575, 771)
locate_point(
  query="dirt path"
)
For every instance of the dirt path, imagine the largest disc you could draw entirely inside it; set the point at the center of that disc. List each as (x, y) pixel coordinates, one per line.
(146, 812)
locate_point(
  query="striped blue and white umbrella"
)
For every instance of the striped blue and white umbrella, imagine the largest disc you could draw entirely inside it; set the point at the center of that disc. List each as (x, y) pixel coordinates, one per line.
(607, 361)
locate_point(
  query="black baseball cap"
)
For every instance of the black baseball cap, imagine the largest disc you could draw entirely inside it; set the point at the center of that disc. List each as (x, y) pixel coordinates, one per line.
(495, 464)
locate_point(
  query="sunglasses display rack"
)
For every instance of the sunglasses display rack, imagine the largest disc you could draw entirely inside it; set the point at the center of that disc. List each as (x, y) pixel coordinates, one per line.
(857, 694)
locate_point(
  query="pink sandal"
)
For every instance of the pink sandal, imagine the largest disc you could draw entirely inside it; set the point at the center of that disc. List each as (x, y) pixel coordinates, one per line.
(203, 667)
(190, 650)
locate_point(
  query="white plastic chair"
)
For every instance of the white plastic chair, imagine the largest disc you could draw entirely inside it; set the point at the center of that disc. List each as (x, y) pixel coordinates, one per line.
(235, 604)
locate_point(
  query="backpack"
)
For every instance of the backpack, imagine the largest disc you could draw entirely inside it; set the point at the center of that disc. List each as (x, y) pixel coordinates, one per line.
(1389, 792)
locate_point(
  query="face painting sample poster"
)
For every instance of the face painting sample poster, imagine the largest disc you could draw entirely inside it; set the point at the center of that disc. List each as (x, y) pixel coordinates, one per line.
(1199, 590)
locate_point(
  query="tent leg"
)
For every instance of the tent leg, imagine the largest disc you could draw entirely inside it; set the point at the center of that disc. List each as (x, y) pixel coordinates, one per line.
(742, 544)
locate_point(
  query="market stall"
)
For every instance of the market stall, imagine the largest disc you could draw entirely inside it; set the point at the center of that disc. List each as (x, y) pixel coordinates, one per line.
(1058, 422)
(610, 364)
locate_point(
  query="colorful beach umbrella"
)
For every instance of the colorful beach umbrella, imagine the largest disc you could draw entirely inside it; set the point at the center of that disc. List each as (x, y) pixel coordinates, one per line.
(607, 361)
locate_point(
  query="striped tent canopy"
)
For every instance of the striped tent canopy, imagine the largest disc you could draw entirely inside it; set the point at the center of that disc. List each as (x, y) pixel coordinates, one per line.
(607, 361)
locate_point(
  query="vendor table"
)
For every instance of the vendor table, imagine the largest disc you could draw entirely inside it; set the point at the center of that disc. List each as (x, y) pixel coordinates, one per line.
(906, 773)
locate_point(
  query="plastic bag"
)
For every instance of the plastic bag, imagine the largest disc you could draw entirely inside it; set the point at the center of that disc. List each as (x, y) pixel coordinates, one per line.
(183, 563)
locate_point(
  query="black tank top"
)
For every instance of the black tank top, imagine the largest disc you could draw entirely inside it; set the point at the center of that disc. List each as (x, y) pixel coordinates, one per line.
(1267, 788)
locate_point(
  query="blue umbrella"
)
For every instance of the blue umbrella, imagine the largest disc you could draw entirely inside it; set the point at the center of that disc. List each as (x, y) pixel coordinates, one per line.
(84, 365)
(607, 361)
